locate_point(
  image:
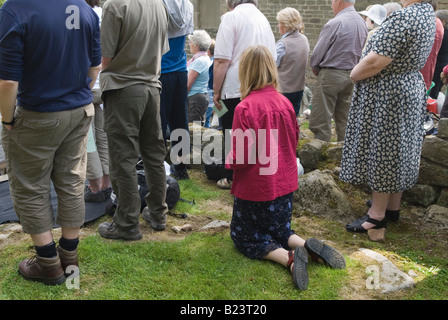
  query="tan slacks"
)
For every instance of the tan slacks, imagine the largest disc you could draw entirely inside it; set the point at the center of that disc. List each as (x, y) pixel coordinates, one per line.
(46, 147)
(331, 100)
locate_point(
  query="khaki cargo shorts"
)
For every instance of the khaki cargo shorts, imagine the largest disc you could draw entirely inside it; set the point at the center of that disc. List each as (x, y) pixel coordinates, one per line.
(45, 148)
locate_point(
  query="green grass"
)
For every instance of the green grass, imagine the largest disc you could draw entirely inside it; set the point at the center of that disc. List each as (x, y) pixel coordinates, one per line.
(201, 267)
(207, 266)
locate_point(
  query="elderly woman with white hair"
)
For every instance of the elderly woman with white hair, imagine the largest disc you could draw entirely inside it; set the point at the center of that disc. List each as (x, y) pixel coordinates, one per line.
(198, 75)
(292, 56)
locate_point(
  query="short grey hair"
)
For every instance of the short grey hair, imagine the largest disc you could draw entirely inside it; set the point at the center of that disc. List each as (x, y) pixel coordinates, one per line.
(350, 1)
(392, 7)
(233, 3)
(201, 38)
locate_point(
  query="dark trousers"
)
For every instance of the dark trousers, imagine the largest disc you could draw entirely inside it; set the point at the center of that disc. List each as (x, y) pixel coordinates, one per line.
(132, 124)
(296, 100)
(227, 121)
(173, 103)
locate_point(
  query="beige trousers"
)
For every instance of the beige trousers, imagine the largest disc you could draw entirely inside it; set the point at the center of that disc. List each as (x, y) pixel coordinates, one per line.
(331, 100)
(45, 147)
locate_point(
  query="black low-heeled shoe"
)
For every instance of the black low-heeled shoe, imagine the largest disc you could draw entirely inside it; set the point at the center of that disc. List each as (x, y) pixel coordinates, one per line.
(356, 226)
(391, 215)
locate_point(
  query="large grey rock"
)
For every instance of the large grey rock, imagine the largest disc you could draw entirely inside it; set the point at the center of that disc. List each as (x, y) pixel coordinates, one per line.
(310, 154)
(443, 128)
(443, 198)
(334, 152)
(433, 173)
(436, 217)
(435, 149)
(421, 195)
(319, 194)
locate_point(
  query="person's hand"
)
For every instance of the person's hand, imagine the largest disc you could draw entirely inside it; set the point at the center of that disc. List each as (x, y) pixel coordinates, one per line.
(315, 71)
(216, 98)
(8, 127)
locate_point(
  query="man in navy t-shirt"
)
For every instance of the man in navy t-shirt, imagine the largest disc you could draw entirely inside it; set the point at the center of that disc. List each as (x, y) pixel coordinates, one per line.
(50, 57)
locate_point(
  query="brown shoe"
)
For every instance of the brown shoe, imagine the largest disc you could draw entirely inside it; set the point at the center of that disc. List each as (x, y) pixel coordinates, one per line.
(46, 270)
(68, 258)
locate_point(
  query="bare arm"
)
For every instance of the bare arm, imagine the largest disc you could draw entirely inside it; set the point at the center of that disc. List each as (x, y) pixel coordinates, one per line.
(93, 74)
(8, 95)
(219, 74)
(192, 76)
(371, 65)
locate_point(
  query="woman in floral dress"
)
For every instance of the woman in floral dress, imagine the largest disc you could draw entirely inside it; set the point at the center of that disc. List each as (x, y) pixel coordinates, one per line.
(385, 126)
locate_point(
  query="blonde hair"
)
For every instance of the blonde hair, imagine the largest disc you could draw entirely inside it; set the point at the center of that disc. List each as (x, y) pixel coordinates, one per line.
(257, 69)
(291, 19)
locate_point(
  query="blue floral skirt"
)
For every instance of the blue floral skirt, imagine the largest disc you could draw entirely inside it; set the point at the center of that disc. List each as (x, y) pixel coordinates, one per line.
(259, 227)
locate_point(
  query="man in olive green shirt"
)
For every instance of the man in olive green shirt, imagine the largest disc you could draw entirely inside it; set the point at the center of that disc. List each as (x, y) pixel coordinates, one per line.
(133, 40)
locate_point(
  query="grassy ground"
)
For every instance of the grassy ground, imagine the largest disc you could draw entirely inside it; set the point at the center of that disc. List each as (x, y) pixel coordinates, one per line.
(204, 265)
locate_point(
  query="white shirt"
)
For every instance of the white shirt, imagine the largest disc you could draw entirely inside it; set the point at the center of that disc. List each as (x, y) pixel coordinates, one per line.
(240, 28)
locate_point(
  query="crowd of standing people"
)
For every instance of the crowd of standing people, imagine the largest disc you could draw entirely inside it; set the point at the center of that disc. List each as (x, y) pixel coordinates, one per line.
(368, 65)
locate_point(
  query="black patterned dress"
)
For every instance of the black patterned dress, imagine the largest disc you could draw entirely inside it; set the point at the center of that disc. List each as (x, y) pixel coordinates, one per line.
(385, 132)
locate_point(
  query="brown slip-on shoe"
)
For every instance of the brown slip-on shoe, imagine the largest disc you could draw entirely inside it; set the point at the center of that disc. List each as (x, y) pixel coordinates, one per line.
(46, 270)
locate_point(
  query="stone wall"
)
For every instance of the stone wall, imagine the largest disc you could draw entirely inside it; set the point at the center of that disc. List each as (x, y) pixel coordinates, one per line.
(315, 13)
(432, 185)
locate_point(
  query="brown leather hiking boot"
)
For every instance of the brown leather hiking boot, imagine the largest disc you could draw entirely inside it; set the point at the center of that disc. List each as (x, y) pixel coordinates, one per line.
(46, 270)
(68, 258)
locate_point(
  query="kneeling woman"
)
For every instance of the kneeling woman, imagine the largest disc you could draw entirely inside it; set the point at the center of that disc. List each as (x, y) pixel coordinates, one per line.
(263, 156)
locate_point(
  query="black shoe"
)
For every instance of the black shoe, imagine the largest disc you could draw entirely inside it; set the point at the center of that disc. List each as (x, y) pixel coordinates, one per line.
(321, 251)
(179, 171)
(356, 226)
(299, 257)
(391, 215)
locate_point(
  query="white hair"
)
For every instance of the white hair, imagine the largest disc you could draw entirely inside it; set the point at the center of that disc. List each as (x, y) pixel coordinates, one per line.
(392, 7)
(201, 38)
